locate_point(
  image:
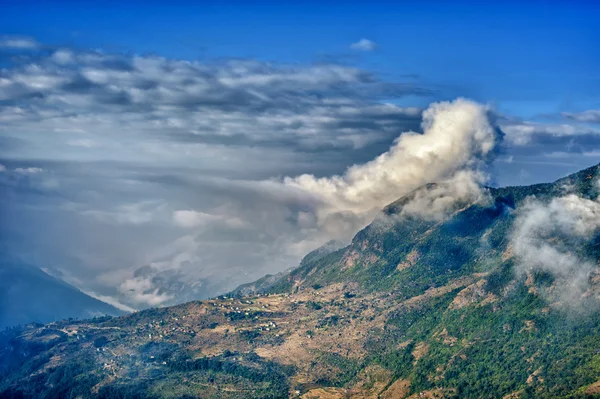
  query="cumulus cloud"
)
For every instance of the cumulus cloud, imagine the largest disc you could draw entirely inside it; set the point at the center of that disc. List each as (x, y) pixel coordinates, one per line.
(438, 201)
(457, 137)
(543, 239)
(364, 45)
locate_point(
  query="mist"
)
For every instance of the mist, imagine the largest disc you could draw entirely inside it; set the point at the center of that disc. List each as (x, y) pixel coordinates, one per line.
(546, 238)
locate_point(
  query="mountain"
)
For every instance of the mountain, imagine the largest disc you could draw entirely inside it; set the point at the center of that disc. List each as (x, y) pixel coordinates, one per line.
(263, 284)
(460, 305)
(27, 294)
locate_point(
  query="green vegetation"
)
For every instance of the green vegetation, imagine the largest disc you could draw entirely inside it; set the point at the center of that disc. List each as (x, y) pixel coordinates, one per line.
(436, 304)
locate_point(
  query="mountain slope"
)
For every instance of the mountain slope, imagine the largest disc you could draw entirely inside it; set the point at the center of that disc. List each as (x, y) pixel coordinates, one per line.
(396, 249)
(27, 294)
(413, 307)
(265, 283)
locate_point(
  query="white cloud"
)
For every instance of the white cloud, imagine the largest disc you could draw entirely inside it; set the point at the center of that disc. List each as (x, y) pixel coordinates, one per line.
(28, 171)
(284, 219)
(196, 219)
(568, 155)
(110, 300)
(2, 168)
(522, 133)
(589, 116)
(436, 202)
(141, 291)
(22, 43)
(181, 175)
(190, 218)
(543, 237)
(153, 109)
(364, 45)
(132, 214)
(457, 137)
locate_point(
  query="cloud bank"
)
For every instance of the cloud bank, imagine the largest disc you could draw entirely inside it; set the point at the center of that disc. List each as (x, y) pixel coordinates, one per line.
(274, 222)
(589, 116)
(170, 180)
(103, 106)
(174, 167)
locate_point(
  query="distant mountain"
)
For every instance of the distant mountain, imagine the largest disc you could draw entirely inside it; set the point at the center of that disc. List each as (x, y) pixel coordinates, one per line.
(27, 294)
(499, 298)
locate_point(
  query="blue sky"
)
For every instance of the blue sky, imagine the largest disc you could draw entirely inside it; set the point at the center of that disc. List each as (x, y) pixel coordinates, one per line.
(215, 142)
(530, 57)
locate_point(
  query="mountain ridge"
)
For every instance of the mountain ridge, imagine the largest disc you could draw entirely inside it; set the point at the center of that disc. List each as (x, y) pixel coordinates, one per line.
(504, 194)
(412, 307)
